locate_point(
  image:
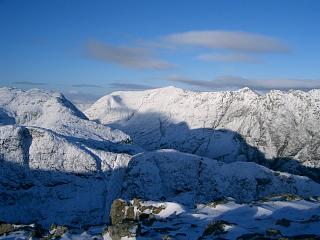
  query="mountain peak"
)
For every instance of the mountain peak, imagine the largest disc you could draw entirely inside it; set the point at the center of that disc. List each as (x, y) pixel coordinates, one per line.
(171, 88)
(247, 90)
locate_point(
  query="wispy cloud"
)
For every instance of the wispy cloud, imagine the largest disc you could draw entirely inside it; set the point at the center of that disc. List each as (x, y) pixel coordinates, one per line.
(230, 40)
(232, 82)
(129, 86)
(86, 86)
(229, 57)
(81, 97)
(30, 83)
(130, 57)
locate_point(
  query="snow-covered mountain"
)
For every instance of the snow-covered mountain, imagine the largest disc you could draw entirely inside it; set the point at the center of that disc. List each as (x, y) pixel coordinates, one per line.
(57, 166)
(52, 111)
(46, 178)
(229, 126)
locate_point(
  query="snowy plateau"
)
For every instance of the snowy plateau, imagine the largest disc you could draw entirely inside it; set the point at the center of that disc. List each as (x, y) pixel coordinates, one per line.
(160, 164)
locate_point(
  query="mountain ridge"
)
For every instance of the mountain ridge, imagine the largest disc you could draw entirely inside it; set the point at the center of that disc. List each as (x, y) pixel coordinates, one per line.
(279, 124)
(58, 166)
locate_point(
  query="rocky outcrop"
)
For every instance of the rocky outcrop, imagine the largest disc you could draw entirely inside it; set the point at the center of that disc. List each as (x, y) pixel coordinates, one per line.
(189, 179)
(124, 221)
(127, 218)
(263, 219)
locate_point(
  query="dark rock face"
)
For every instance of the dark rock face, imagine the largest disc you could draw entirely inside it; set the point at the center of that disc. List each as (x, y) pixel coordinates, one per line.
(119, 212)
(123, 220)
(127, 219)
(126, 229)
(6, 228)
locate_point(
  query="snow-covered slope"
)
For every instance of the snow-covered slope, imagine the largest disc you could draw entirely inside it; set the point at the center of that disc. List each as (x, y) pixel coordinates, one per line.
(189, 179)
(53, 111)
(56, 166)
(46, 177)
(275, 218)
(230, 126)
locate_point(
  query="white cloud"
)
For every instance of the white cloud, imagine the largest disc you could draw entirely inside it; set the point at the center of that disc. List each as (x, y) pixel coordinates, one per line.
(231, 40)
(229, 57)
(129, 86)
(86, 85)
(232, 82)
(130, 57)
(30, 83)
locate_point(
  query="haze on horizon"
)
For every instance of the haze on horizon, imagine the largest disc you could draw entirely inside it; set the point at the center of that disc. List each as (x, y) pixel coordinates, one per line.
(87, 49)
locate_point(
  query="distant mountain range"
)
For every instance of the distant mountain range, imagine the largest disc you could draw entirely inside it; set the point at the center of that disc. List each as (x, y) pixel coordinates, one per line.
(59, 165)
(279, 129)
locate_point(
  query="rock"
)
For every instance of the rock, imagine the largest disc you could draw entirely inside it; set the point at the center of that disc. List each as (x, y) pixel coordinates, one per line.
(57, 232)
(123, 221)
(136, 202)
(149, 208)
(273, 233)
(283, 222)
(6, 228)
(190, 179)
(38, 231)
(118, 231)
(121, 211)
(215, 228)
(253, 236)
(118, 212)
(217, 202)
(130, 213)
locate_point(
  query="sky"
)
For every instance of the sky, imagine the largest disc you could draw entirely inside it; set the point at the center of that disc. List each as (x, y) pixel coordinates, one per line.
(87, 49)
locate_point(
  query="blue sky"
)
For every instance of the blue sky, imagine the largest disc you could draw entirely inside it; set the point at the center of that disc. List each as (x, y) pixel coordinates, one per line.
(89, 48)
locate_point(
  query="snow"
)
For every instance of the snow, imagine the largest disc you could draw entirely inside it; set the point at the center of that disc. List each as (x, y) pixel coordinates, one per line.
(240, 219)
(52, 111)
(57, 166)
(170, 208)
(230, 126)
(191, 179)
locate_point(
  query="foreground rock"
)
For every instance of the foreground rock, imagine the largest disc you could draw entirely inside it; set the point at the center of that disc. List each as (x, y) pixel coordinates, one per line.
(129, 219)
(227, 220)
(275, 218)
